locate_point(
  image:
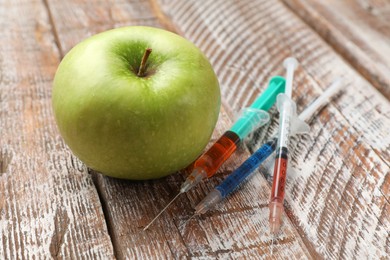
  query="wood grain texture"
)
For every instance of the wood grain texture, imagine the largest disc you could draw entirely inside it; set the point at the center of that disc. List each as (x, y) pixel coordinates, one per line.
(338, 192)
(49, 207)
(130, 205)
(358, 30)
(337, 203)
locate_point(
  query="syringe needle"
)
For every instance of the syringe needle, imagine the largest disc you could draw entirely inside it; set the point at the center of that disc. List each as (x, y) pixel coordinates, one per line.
(195, 177)
(188, 220)
(161, 212)
(272, 244)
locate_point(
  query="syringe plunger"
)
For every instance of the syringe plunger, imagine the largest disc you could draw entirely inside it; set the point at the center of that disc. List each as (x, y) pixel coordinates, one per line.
(290, 64)
(321, 100)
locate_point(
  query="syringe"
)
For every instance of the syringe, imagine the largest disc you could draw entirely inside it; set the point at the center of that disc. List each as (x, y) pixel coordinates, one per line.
(237, 177)
(252, 118)
(287, 114)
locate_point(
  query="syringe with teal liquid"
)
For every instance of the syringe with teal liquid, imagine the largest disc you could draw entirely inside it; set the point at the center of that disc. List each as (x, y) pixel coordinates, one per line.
(252, 118)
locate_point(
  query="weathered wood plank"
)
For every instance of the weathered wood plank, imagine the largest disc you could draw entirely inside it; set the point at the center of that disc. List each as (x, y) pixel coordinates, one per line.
(49, 205)
(130, 205)
(358, 30)
(339, 195)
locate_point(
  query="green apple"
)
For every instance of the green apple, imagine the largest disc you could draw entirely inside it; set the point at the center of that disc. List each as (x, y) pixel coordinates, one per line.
(131, 113)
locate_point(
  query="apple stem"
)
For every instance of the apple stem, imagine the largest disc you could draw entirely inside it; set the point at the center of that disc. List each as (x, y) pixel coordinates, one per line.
(142, 67)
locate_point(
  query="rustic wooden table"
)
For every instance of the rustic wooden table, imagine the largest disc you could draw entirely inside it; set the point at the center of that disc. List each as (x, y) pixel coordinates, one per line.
(337, 203)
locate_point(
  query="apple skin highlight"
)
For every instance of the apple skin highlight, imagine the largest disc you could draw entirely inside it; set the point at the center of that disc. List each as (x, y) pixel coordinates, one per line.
(133, 127)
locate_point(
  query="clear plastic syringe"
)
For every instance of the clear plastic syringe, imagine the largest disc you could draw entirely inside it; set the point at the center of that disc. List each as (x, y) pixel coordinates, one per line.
(237, 177)
(253, 117)
(287, 112)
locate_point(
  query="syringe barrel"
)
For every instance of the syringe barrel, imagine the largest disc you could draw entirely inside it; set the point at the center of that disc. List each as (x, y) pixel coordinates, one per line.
(241, 173)
(280, 175)
(218, 153)
(287, 111)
